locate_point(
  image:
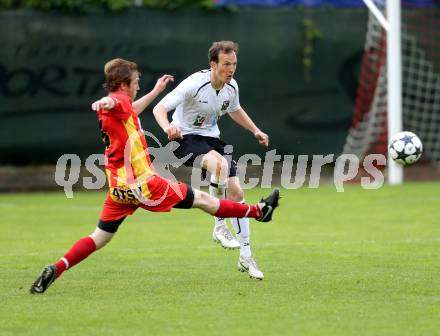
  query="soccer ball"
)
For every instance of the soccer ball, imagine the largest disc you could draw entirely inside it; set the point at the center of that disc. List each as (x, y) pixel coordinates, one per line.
(405, 148)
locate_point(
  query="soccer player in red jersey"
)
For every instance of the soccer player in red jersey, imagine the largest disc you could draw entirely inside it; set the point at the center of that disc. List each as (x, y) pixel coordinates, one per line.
(132, 180)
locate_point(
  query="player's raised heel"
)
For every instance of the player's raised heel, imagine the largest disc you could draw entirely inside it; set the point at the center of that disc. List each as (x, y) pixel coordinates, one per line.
(44, 280)
(223, 236)
(268, 205)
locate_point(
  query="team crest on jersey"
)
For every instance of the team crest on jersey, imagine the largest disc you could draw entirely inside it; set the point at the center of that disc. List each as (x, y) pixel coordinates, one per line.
(225, 105)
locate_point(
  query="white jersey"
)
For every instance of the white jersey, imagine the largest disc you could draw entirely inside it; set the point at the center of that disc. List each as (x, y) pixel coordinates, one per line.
(198, 105)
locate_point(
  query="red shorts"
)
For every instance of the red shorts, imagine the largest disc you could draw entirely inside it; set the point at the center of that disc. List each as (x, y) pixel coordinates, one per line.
(158, 195)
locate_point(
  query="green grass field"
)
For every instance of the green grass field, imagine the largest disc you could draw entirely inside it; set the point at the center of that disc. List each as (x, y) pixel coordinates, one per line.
(362, 262)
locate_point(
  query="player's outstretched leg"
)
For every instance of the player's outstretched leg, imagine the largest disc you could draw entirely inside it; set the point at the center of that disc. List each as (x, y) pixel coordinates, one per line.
(269, 204)
(262, 211)
(44, 280)
(77, 253)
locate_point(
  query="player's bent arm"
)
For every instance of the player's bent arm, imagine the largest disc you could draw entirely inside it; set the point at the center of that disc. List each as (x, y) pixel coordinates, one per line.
(141, 104)
(243, 119)
(161, 116)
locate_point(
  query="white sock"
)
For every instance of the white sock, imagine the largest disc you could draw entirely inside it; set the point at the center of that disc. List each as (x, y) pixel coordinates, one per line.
(218, 189)
(241, 226)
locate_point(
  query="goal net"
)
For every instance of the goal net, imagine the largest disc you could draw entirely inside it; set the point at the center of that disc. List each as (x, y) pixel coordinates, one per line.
(420, 85)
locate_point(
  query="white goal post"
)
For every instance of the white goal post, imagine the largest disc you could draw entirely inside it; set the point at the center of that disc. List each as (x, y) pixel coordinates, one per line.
(392, 26)
(399, 82)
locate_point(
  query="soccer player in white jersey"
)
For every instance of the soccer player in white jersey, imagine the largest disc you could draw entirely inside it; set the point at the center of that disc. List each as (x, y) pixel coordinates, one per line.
(199, 101)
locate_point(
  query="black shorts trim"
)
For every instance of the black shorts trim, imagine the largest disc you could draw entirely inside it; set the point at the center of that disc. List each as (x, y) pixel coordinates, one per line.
(188, 201)
(110, 226)
(196, 145)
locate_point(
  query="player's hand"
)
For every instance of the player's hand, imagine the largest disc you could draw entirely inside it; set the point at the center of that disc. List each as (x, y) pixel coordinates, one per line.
(262, 138)
(162, 83)
(173, 133)
(105, 103)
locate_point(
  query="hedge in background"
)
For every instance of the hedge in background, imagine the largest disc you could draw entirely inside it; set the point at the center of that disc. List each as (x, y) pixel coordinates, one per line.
(114, 5)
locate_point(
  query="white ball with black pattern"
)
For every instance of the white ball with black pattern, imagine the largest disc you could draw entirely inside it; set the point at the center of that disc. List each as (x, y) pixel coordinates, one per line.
(405, 148)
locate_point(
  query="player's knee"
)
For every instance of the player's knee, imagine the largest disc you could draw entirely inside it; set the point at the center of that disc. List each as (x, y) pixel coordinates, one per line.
(204, 201)
(216, 164)
(202, 198)
(235, 194)
(221, 168)
(101, 237)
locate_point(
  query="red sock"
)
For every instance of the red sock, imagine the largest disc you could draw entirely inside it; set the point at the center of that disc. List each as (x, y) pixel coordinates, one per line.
(229, 209)
(78, 252)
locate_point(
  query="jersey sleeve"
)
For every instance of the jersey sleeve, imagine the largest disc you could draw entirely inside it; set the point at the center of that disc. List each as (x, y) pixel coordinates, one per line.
(122, 109)
(178, 95)
(235, 102)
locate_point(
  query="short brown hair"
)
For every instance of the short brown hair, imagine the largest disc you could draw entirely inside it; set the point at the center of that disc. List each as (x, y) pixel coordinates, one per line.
(221, 46)
(118, 71)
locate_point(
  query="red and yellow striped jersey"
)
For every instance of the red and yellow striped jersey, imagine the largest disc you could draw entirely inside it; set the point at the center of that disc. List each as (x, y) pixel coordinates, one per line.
(127, 161)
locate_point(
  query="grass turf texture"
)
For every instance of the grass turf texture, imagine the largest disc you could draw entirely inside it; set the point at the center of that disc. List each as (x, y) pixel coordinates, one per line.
(362, 262)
